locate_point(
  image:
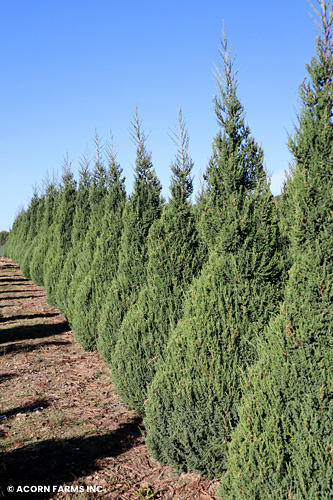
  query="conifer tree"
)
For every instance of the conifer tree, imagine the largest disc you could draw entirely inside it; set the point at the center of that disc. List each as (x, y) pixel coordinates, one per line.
(3, 237)
(96, 202)
(282, 445)
(80, 226)
(61, 229)
(17, 234)
(193, 399)
(92, 291)
(32, 239)
(175, 256)
(312, 142)
(142, 208)
(233, 148)
(40, 251)
(25, 231)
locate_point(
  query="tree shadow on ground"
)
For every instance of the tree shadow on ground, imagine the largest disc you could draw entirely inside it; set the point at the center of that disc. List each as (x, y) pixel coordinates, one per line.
(7, 376)
(35, 405)
(28, 316)
(59, 461)
(27, 347)
(10, 279)
(38, 331)
(11, 296)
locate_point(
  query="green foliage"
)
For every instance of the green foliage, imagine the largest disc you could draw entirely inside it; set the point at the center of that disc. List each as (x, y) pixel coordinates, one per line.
(312, 144)
(18, 235)
(193, 399)
(83, 260)
(3, 237)
(184, 303)
(79, 229)
(282, 446)
(3, 250)
(142, 208)
(44, 234)
(60, 240)
(283, 442)
(36, 210)
(92, 290)
(175, 256)
(236, 164)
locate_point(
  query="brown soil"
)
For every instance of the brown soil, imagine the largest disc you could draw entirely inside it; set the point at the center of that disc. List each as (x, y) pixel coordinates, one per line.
(63, 427)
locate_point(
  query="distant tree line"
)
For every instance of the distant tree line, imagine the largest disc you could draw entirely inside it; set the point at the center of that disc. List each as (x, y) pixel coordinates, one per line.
(215, 317)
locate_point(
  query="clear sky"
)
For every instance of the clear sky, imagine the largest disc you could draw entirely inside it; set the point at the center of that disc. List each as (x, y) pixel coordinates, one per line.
(70, 66)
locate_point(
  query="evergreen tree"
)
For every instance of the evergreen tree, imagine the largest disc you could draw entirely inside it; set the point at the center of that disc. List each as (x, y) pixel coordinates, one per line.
(92, 291)
(60, 242)
(25, 232)
(282, 446)
(36, 217)
(18, 234)
(312, 143)
(175, 256)
(142, 208)
(283, 442)
(3, 237)
(80, 226)
(236, 162)
(96, 202)
(193, 399)
(41, 248)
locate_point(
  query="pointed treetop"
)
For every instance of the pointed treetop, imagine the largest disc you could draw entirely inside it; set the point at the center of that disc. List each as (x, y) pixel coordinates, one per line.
(99, 173)
(84, 162)
(114, 169)
(181, 182)
(67, 174)
(84, 172)
(314, 131)
(326, 17)
(225, 80)
(237, 161)
(144, 171)
(143, 161)
(137, 135)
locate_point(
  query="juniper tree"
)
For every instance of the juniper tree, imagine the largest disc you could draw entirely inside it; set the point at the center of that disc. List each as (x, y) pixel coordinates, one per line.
(92, 291)
(40, 251)
(236, 161)
(33, 236)
(282, 446)
(60, 242)
(283, 442)
(79, 230)
(17, 234)
(312, 142)
(142, 208)
(3, 237)
(175, 256)
(193, 399)
(25, 230)
(96, 202)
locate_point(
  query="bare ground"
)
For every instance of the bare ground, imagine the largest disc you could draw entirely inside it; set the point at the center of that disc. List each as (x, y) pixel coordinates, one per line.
(63, 428)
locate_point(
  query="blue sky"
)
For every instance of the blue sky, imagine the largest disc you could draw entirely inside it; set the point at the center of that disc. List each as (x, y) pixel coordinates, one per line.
(71, 66)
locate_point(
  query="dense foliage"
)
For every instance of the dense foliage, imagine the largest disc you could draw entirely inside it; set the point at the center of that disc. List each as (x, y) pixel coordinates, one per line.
(3, 237)
(192, 401)
(216, 317)
(140, 211)
(283, 442)
(175, 256)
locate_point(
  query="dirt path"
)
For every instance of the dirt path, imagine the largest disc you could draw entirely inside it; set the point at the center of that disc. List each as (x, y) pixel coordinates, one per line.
(62, 426)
